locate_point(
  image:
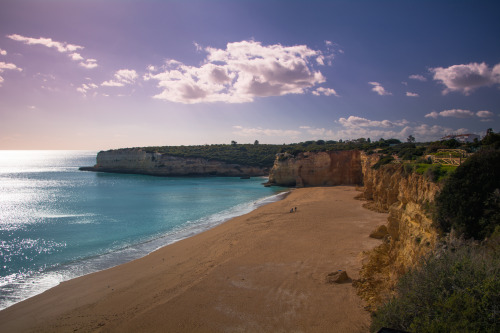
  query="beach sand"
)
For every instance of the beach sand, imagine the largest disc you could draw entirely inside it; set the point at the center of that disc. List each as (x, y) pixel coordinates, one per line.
(265, 271)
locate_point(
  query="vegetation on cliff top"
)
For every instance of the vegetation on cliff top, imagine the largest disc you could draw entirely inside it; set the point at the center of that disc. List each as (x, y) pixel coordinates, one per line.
(264, 155)
(457, 286)
(456, 289)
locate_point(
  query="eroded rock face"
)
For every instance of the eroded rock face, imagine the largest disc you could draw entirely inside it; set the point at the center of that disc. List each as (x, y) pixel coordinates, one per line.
(317, 169)
(407, 197)
(138, 161)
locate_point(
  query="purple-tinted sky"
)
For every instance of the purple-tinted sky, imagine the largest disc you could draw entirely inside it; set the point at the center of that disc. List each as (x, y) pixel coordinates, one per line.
(109, 74)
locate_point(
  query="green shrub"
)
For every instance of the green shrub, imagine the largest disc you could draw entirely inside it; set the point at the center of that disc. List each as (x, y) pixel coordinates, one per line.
(469, 201)
(456, 289)
(382, 161)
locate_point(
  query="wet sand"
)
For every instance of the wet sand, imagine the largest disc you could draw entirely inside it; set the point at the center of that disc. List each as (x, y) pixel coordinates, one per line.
(265, 271)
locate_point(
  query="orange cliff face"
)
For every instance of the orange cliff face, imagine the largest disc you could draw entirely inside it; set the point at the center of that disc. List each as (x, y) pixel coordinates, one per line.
(317, 169)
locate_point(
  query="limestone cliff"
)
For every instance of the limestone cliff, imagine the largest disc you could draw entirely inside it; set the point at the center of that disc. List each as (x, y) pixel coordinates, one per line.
(138, 161)
(317, 169)
(407, 197)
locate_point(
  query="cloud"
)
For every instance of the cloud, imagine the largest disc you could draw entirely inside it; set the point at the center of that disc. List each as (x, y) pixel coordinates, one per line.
(485, 114)
(455, 113)
(411, 94)
(121, 78)
(466, 78)
(356, 127)
(3, 52)
(325, 91)
(433, 114)
(259, 132)
(377, 87)
(459, 113)
(61, 47)
(4, 65)
(76, 56)
(89, 63)
(240, 73)
(84, 88)
(417, 77)
(357, 122)
(7, 66)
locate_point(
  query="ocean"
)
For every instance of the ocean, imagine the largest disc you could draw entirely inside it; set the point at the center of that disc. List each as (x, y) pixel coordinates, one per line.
(58, 223)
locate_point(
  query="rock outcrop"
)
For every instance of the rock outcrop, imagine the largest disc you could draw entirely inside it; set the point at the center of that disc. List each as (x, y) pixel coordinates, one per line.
(408, 198)
(138, 161)
(317, 169)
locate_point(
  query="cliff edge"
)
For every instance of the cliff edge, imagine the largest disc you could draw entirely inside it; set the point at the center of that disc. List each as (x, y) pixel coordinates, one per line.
(408, 198)
(327, 168)
(138, 161)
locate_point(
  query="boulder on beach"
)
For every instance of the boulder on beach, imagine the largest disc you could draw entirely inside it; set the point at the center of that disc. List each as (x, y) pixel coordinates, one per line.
(380, 232)
(339, 276)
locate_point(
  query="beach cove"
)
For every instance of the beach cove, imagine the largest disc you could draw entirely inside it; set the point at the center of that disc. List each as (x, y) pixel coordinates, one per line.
(264, 271)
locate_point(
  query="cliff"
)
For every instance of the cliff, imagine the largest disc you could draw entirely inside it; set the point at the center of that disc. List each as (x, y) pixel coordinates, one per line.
(408, 198)
(317, 169)
(138, 161)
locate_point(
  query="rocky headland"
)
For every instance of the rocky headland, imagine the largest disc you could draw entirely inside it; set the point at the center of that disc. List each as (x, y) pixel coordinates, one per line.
(140, 161)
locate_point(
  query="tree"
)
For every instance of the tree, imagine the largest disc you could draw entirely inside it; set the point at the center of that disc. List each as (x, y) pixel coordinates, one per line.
(256, 142)
(233, 143)
(469, 200)
(411, 139)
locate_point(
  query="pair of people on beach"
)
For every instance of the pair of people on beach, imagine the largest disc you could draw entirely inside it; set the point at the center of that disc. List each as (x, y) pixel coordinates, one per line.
(292, 210)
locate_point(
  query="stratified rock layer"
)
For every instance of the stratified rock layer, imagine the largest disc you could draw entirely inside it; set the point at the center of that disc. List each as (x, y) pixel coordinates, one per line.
(408, 198)
(317, 169)
(138, 161)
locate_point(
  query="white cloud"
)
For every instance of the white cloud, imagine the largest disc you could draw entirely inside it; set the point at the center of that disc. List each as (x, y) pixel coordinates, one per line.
(466, 78)
(258, 132)
(411, 94)
(433, 114)
(4, 65)
(7, 66)
(459, 113)
(485, 114)
(240, 73)
(418, 77)
(121, 78)
(325, 91)
(62, 47)
(76, 56)
(455, 113)
(89, 63)
(356, 127)
(84, 88)
(3, 52)
(377, 87)
(357, 122)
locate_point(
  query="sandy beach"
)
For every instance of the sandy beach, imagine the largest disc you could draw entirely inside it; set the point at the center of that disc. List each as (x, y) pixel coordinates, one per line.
(265, 271)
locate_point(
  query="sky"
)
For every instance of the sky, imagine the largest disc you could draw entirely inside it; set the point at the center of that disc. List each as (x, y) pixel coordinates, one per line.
(104, 74)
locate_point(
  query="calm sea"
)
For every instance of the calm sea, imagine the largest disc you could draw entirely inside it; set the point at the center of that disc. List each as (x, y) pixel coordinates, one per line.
(57, 222)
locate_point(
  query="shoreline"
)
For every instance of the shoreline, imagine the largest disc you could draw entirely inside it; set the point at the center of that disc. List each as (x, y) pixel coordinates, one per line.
(90, 265)
(262, 271)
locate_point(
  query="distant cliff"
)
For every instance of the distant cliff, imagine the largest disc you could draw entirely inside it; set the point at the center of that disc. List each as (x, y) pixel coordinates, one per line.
(138, 161)
(317, 169)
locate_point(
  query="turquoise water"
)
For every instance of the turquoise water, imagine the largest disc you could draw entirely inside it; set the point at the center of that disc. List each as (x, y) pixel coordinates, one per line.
(57, 222)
